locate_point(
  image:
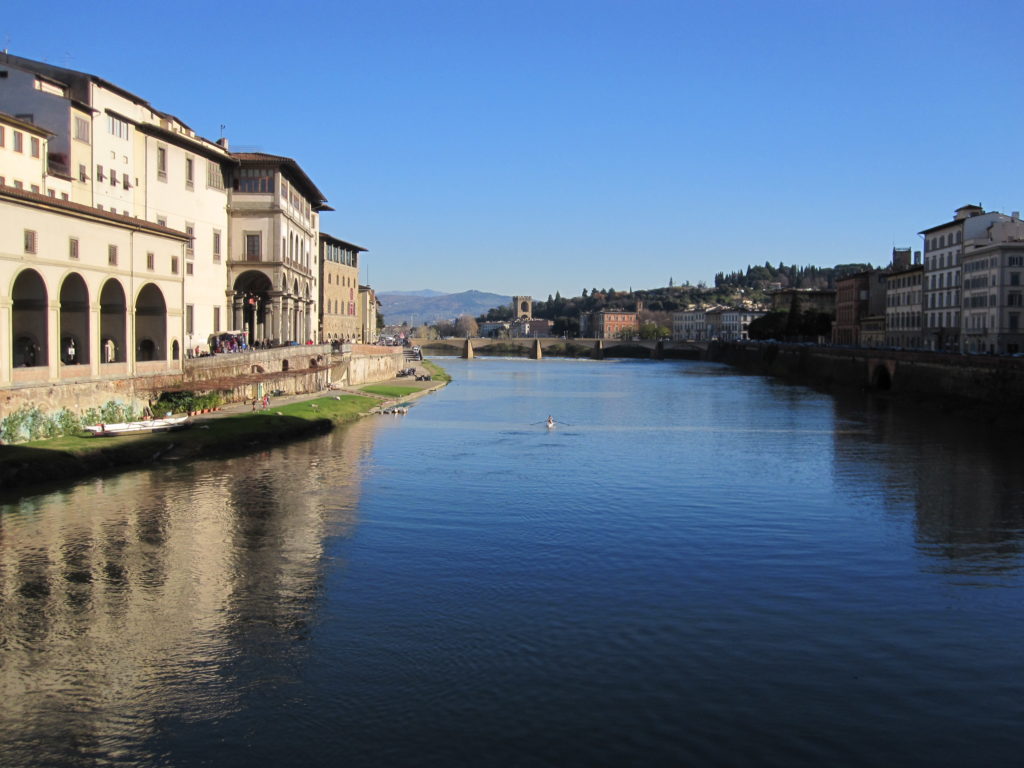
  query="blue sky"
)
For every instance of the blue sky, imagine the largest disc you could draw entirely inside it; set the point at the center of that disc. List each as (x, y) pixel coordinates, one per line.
(526, 147)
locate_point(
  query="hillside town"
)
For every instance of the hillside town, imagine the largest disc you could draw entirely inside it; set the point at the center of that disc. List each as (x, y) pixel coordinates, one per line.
(960, 293)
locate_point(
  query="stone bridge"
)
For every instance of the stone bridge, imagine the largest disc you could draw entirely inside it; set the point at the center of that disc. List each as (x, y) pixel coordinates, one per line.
(536, 349)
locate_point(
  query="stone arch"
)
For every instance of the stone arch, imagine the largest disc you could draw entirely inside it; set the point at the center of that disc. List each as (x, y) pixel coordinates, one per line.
(150, 324)
(74, 321)
(113, 323)
(252, 304)
(175, 350)
(29, 328)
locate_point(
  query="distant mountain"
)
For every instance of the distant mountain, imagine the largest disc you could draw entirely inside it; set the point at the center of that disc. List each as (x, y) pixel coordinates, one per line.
(418, 307)
(424, 292)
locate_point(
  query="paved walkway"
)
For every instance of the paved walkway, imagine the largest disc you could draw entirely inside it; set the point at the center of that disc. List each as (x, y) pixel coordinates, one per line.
(233, 409)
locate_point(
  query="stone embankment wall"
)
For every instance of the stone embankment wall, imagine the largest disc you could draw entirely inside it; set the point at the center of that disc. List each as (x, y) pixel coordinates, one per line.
(970, 379)
(242, 375)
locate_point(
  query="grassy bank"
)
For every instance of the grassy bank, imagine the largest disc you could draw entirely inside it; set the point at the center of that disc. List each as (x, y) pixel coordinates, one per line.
(68, 458)
(58, 461)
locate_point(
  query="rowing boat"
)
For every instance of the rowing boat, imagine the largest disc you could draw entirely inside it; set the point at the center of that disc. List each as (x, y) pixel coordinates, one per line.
(139, 427)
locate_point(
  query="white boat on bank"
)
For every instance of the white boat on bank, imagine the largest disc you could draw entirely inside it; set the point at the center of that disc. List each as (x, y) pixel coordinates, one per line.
(140, 427)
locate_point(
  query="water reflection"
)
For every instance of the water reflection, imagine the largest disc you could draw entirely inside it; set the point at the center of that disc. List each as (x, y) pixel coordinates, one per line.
(959, 480)
(137, 600)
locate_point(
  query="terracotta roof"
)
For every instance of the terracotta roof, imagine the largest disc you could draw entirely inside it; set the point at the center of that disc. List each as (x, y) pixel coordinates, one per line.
(296, 172)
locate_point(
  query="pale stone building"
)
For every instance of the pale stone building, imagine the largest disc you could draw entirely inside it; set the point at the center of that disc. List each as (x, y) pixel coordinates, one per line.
(272, 269)
(903, 296)
(85, 293)
(113, 151)
(690, 325)
(339, 289)
(369, 307)
(993, 289)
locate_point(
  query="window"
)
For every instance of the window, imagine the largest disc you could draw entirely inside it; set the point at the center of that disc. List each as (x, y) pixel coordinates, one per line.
(1014, 318)
(117, 127)
(72, 247)
(112, 255)
(189, 267)
(1015, 278)
(99, 173)
(161, 163)
(150, 261)
(124, 178)
(189, 173)
(214, 175)
(2, 131)
(255, 180)
(216, 319)
(113, 177)
(82, 129)
(30, 241)
(216, 245)
(82, 175)
(189, 315)
(190, 246)
(19, 137)
(161, 220)
(252, 247)
(174, 264)
(33, 144)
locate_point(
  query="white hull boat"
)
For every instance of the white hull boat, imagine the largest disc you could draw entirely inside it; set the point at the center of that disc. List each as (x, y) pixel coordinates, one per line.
(139, 427)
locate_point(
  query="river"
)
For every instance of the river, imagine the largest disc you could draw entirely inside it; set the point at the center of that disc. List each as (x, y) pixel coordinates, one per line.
(695, 567)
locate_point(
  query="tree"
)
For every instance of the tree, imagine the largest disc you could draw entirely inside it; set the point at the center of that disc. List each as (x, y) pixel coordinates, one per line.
(466, 326)
(445, 328)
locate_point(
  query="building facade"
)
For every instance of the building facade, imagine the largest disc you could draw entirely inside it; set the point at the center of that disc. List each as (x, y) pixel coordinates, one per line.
(609, 324)
(339, 289)
(993, 290)
(273, 273)
(903, 297)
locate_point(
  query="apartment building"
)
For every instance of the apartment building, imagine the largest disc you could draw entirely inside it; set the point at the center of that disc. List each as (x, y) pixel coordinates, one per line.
(609, 324)
(339, 289)
(993, 293)
(903, 298)
(689, 325)
(944, 246)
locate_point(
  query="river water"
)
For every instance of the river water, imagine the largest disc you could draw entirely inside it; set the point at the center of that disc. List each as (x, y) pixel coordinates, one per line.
(695, 567)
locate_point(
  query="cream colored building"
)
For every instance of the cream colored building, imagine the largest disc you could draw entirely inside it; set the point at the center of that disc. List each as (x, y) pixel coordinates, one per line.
(273, 269)
(339, 289)
(85, 293)
(113, 151)
(690, 325)
(368, 309)
(993, 289)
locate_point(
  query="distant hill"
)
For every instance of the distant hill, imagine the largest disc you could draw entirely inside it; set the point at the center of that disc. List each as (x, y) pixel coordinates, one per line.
(418, 307)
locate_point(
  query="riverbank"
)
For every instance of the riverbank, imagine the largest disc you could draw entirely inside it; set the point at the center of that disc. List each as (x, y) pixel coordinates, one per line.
(232, 430)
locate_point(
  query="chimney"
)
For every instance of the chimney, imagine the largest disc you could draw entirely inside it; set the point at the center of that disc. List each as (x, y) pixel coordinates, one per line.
(1015, 215)
(223, 142)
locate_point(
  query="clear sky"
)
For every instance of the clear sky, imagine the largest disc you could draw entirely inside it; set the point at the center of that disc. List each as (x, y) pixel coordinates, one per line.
(529, 146)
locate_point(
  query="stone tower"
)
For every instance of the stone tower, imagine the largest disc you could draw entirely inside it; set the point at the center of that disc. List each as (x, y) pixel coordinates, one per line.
(522, 307)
